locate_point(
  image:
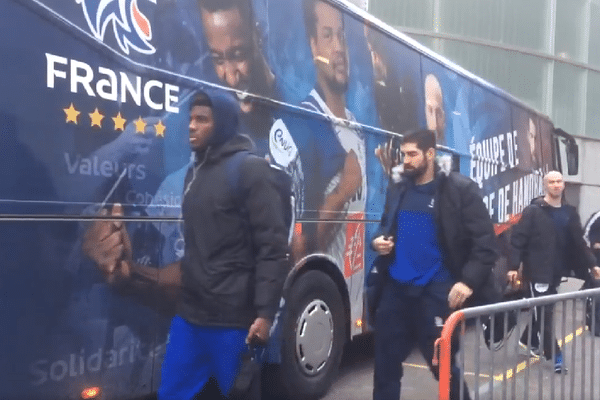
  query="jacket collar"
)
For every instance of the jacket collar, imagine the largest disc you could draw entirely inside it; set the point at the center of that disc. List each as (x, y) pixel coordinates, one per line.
(212, 154)
(539, 201)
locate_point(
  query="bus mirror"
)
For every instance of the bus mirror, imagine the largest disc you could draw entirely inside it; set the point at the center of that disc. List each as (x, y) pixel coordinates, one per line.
(572, 150)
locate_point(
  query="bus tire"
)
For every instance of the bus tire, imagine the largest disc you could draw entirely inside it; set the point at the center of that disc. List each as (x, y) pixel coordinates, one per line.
(314, 334)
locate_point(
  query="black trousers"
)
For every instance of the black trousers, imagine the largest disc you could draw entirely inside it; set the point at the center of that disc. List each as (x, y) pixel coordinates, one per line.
(539, 331)
(407, 316)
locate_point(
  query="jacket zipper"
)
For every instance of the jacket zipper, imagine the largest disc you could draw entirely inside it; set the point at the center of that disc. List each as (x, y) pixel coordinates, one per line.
(194, 172)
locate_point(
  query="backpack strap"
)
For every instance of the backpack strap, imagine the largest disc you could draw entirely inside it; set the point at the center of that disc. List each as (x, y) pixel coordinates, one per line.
(282, 181)
(233, 169)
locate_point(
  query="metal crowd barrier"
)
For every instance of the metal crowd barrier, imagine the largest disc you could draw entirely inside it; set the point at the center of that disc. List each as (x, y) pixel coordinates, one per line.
(511, 372)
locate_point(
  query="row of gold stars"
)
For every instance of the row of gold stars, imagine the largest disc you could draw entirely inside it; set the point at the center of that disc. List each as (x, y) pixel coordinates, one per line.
(96, 120)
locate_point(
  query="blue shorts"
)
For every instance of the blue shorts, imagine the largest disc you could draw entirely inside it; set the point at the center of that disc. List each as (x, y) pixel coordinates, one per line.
(194, 354)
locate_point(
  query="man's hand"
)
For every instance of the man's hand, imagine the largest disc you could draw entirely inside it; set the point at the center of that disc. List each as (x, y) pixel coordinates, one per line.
(388, 157)
(596, 272)
(458, 295)
(259, 331)
(102, 243)
(383, 245)
(513, 278)
(596, 245)
(107, 244)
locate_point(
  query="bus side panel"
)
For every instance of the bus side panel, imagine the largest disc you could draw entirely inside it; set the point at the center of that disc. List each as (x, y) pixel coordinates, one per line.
(66, 150)
(491, 136)
(65, 329)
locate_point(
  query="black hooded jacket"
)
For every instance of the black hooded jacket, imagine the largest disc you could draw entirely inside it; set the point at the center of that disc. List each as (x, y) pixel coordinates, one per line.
(236, 251)
(534, 242)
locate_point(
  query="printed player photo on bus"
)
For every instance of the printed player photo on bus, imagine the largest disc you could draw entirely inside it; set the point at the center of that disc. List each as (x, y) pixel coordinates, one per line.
(239, 62)
(527, 126)
(444, 102)
(338, 187)
(395, 77)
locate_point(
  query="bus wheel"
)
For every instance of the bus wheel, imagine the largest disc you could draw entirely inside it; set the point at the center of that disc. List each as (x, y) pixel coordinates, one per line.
(313, 337)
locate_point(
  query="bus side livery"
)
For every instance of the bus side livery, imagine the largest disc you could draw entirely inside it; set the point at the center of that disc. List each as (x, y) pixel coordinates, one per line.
(94, 112)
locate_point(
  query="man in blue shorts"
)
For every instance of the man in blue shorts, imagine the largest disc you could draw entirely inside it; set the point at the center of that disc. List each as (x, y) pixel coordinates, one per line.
(235, 260)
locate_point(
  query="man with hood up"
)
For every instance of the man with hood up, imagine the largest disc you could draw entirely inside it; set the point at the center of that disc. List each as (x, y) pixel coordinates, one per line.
(235, 260)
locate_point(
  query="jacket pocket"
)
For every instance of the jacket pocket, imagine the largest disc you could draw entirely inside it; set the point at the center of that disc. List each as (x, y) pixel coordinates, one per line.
(233, 287)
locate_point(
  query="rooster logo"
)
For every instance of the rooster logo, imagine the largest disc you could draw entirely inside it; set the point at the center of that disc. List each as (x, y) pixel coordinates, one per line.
(132, 29)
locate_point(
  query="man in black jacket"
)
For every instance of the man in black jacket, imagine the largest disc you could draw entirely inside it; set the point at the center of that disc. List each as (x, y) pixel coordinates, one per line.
(592, 234)
(548, 240)
(436, 243)
(592, 238)
(236, 256)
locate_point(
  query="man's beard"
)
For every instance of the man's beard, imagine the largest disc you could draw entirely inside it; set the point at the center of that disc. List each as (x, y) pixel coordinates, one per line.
(336, 86)
(258, 121)
(415, 173)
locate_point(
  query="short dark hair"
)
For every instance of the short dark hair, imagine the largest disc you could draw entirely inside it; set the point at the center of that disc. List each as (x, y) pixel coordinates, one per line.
(201, 99)
(310, 17)
(243, 6)
(378, 41)
(423, 138)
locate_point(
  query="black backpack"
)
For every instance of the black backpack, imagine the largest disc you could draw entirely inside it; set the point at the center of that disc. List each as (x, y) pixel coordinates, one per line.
(283, 184)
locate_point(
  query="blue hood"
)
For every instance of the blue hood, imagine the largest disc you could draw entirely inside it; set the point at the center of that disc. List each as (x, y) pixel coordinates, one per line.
(226, 116)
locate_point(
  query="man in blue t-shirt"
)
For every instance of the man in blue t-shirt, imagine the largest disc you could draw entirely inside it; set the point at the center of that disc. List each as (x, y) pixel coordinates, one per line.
(549, 241)
(436, 249)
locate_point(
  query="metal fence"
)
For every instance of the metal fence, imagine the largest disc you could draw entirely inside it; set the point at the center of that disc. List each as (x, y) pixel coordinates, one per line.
(505, 369)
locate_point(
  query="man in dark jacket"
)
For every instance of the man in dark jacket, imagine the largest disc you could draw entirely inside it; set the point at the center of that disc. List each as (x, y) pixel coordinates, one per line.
(592, 238)
(592, 235)
(548, 240)
(436, 243)
(235, 262)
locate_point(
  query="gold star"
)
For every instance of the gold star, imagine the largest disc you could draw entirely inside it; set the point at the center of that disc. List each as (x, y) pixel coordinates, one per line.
(119, 122)
(140, 125)
(160, 129)
(96, 118)
(71, 113)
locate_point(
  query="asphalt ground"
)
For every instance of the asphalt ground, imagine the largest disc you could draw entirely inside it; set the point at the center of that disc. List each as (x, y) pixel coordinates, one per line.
(509, 373)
